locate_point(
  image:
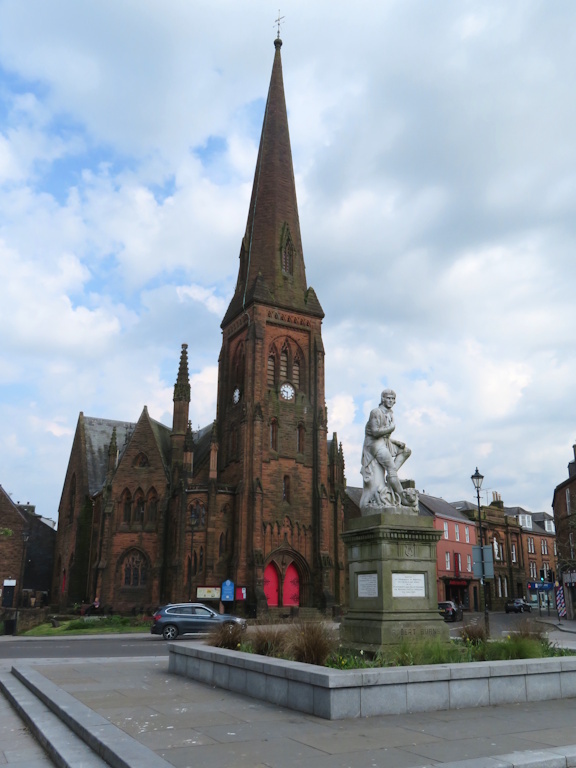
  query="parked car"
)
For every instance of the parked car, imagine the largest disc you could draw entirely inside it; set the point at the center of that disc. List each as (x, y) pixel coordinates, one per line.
(450, 611)
(518, 605)
(189, 618)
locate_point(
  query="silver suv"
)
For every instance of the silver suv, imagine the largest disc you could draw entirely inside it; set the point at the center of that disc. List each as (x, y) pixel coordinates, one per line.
(189, 618)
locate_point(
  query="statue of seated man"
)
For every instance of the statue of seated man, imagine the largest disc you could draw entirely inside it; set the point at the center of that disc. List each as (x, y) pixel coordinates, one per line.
(382, 457)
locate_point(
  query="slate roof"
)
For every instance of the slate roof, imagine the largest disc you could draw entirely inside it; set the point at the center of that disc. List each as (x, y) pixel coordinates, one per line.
(439, 507)
(202, 440)
(98, 434)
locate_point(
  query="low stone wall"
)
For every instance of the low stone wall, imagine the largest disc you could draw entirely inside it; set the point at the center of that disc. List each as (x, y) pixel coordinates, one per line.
(336, 694)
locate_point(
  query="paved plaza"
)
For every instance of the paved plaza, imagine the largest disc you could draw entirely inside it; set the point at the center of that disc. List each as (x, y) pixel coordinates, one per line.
(190, 724)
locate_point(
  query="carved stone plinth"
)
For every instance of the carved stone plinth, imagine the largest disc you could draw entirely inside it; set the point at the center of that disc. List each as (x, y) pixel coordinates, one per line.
(392, 570)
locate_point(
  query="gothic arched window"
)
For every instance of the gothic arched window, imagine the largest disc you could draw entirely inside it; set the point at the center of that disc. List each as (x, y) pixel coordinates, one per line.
(151, 506)
(134, 569)
(271, 371)
(139, 507)
(126, 507)
(284, 365)
(286, 488)
(288, 257)
(274, 435)
(300, 438)
(296, 374)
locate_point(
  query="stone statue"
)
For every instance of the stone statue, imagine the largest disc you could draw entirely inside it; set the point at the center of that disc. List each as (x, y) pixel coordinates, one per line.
(382, 457)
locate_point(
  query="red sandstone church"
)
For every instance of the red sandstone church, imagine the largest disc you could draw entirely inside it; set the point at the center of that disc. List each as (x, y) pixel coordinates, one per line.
(151, 514)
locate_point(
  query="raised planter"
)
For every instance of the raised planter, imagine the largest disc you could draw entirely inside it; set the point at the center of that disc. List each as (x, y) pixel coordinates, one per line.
(336, 694)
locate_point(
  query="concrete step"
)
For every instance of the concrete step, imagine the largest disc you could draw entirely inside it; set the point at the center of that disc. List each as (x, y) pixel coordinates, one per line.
(74, 735)
(65, 749)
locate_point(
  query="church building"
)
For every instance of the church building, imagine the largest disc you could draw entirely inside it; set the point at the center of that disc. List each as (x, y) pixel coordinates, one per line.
(153, 514)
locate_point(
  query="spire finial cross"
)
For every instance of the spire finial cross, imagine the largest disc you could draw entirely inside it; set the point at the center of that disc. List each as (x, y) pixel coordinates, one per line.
(278, 21)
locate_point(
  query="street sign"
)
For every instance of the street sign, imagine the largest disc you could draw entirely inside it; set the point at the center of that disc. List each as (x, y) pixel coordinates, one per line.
(227, 591)
(488, 562)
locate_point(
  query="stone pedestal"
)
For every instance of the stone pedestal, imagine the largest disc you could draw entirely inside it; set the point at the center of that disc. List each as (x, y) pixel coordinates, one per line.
(392, 570)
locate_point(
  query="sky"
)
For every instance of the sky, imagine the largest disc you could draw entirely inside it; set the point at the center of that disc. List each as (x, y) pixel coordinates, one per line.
(435, 158)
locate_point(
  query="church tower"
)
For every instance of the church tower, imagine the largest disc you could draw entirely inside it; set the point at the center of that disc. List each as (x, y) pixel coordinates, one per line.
(271, 413)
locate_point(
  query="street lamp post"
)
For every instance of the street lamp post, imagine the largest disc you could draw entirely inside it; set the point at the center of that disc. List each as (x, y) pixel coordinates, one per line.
(25, 537)
(477, 479)
(193, 523)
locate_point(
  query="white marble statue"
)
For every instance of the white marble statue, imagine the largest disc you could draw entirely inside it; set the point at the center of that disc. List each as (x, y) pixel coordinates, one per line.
(382, 457)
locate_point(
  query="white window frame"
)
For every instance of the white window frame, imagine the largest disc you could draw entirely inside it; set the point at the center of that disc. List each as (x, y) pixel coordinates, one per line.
(469, 563)
(457, 531)
(447, 561)
(445, 529)
(513, 552)
(467, 534)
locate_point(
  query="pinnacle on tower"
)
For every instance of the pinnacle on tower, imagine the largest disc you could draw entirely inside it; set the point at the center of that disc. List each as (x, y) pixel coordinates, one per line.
(182, 387)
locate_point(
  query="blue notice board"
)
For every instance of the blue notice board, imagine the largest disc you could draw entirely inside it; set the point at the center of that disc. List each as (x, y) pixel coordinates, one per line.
(227, 591)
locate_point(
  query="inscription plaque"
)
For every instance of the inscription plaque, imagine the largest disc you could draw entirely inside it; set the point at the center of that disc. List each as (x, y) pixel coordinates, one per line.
(408, 585)
(367, 585)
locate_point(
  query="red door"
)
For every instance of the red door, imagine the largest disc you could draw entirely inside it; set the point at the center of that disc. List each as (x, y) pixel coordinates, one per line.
(291, 586)
(271, 582)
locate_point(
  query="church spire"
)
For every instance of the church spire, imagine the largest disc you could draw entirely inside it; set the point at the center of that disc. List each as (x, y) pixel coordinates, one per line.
(271, 260)
(181, 407)
(182, 386)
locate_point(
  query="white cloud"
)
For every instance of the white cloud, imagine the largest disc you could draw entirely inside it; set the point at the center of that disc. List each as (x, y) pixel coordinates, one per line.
(435, 167)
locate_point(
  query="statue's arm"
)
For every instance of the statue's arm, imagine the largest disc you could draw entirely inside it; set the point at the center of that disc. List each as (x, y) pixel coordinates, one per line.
(376, 427)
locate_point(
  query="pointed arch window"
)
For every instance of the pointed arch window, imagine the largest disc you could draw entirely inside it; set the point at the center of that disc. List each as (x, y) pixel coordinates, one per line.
(238, 365)
(141, 460)
(126, 507)
(288, 257)
(152, 506)
(201, 561)
(284, 365)
(300, 438)
(296, 374)
(286, 489)
(139, 507)
(271, 371)
(195, 564)
(274, 435)
(134, 569)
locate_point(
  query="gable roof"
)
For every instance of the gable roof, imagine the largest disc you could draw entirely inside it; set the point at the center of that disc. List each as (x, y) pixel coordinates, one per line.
(97, 436)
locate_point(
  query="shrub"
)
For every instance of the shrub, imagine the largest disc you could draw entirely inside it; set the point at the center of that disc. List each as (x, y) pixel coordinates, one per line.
(311, 642)
(269, 640)
(473, 633)
(228, 636)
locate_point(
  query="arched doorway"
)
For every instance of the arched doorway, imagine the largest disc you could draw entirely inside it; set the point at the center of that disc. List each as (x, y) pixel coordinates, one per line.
(271, 585)
(291, 586)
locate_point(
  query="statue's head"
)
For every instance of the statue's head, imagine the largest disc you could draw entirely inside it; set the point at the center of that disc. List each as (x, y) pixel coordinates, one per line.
(388, 394)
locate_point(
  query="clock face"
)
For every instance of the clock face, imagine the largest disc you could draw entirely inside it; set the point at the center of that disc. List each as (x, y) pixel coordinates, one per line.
(287, 391)
(236, 395)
